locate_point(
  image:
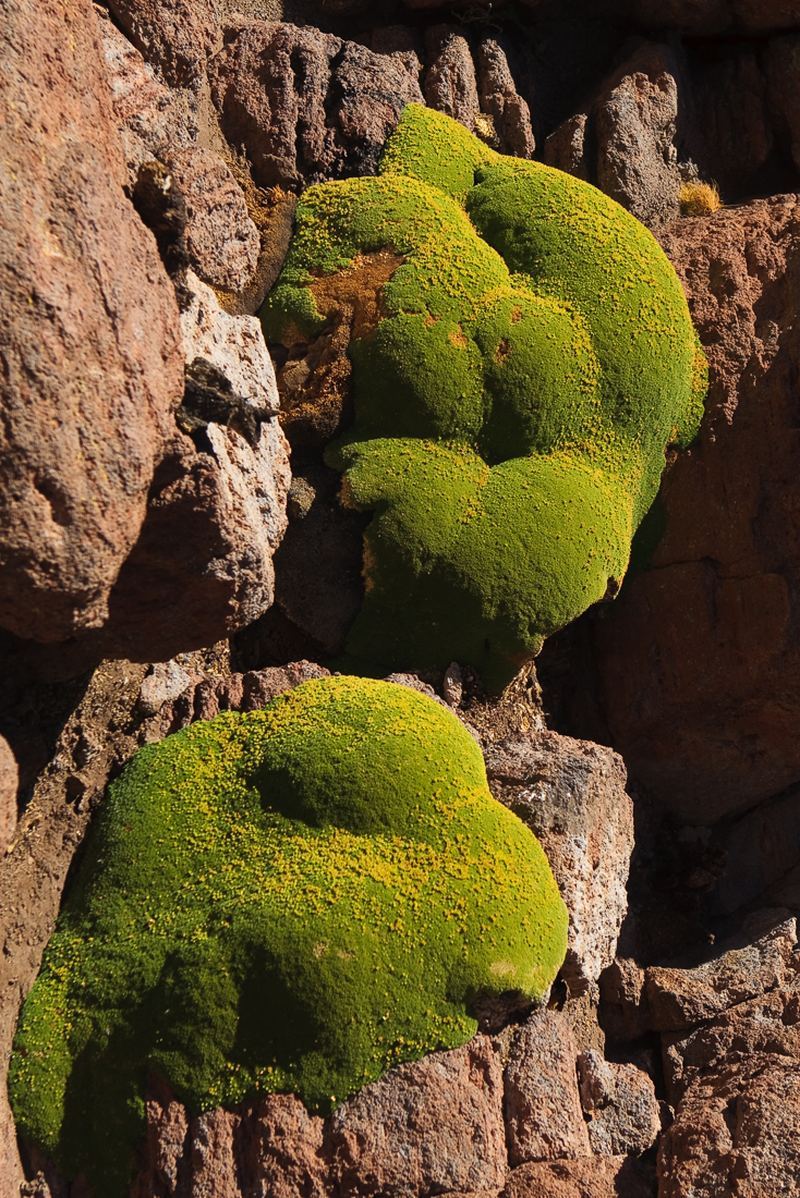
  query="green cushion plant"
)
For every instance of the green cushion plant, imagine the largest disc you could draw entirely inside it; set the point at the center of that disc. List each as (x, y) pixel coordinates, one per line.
(529, 360)
(292, 899)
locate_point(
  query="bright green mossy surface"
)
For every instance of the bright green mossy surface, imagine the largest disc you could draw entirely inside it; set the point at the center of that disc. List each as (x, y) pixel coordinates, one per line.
(291, 899)
(533, 359)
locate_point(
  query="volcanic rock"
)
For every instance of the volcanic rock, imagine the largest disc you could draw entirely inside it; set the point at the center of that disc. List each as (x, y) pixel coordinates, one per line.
(621, 1103)
(176, 36)
(88, 333)
(572, 794)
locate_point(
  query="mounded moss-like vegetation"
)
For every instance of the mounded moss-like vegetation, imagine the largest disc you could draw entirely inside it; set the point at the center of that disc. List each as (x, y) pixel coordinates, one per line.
(530, 359)
(294, 899)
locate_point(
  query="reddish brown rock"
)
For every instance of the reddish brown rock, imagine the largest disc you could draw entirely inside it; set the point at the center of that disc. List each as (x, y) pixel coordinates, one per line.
(9, 782)
(625, 141)
(425, 1128)
(306, 105)
(88, 332)
(587, 1177)
(736, 1133)
(220, 240)
(176, 36)
(450, 83)
(501, 101)
(544, 1120)
(165, 1143)
(768, 1024)
(761, 959)
(620, 1102)
(699, 664)
(572, 794)
(281, 1151)
(152, 119)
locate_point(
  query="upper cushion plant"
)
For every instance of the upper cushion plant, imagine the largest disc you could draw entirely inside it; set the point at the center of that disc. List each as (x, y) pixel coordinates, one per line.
(529, 360)
(291, 899)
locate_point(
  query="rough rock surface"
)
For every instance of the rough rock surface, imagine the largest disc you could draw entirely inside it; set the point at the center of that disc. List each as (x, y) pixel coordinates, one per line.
(431, 1126)
(736, 1132)
(621, 1103)
(502, 103)
(625, 142)
(450, 83)
(698, 659)
(88, 334)
(587, 1177)
(219, 238)
(152, 119)
(572, 794)
(176, 36)
(306, 105)
(202, 567)
(9, 780)
(544, 1120)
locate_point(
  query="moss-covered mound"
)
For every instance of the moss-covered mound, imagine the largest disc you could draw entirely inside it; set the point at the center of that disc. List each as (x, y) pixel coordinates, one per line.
(293, 899)
(528, 359)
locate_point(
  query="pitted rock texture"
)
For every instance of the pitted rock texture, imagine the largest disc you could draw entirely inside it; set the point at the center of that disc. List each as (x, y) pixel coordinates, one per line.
(572, 794)
(9, 782)
(306, 105)
(698, 658)
(152, 118)
(219, 238)
(202, 567)
(626, 142)
(176, 36)
(586, 1177)
(88, 334)
(544, 1119)
(620, 1102)
(736, 1132)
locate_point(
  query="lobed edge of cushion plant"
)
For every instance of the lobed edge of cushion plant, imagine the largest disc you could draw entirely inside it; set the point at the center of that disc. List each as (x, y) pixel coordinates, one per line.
(525, 364)
(291, 899)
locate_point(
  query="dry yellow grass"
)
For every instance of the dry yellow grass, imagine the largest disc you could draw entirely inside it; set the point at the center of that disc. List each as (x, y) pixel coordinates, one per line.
(699, 199)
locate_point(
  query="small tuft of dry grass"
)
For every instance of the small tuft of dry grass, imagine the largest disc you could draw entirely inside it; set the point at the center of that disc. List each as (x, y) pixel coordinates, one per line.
(699, 199)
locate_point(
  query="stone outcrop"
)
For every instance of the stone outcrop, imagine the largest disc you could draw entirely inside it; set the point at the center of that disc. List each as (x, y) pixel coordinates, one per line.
(176, 36)
(699, 664)
(572, 794)
(88, 333)
(202, 567)
(620, 1102)
(625, 142)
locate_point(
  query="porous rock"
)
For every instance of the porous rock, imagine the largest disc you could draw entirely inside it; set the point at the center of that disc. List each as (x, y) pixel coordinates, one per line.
(427, 1127)
(572, 794)
(202, 567)
(620, 1101)
(450, 83)
(88, 334)
(698, 661)
(544, 1120)
(736, 1131)
(152, 118)
(760, 959)
(584, 1177)
(220, 240)
(9, 781)
(176, 36)
(625, 141)
(306, 105)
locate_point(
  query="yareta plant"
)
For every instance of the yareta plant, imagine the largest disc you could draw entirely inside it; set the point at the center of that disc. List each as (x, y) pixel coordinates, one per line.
(292, 899)
(522, 357)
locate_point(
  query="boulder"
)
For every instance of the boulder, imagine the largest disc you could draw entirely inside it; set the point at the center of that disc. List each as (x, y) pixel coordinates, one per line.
(698, 663)
(620, 1102)
(625, 142)
(202, 567)
(572, 794)
(544, 1120)
(736, 1131)
(218, 237)
(306, 105)
(175, 36)
(429, 1127)
(450, 83)
(88, 334)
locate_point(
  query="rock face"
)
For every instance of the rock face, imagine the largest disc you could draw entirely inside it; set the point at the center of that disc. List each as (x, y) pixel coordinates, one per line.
(176, 36)
(202, 567)
(88, 333)
(699, 665)
(307, 105)
(625, 142)
(543, 1110)
(621, 1103)
(572, 794)
(9, 780)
